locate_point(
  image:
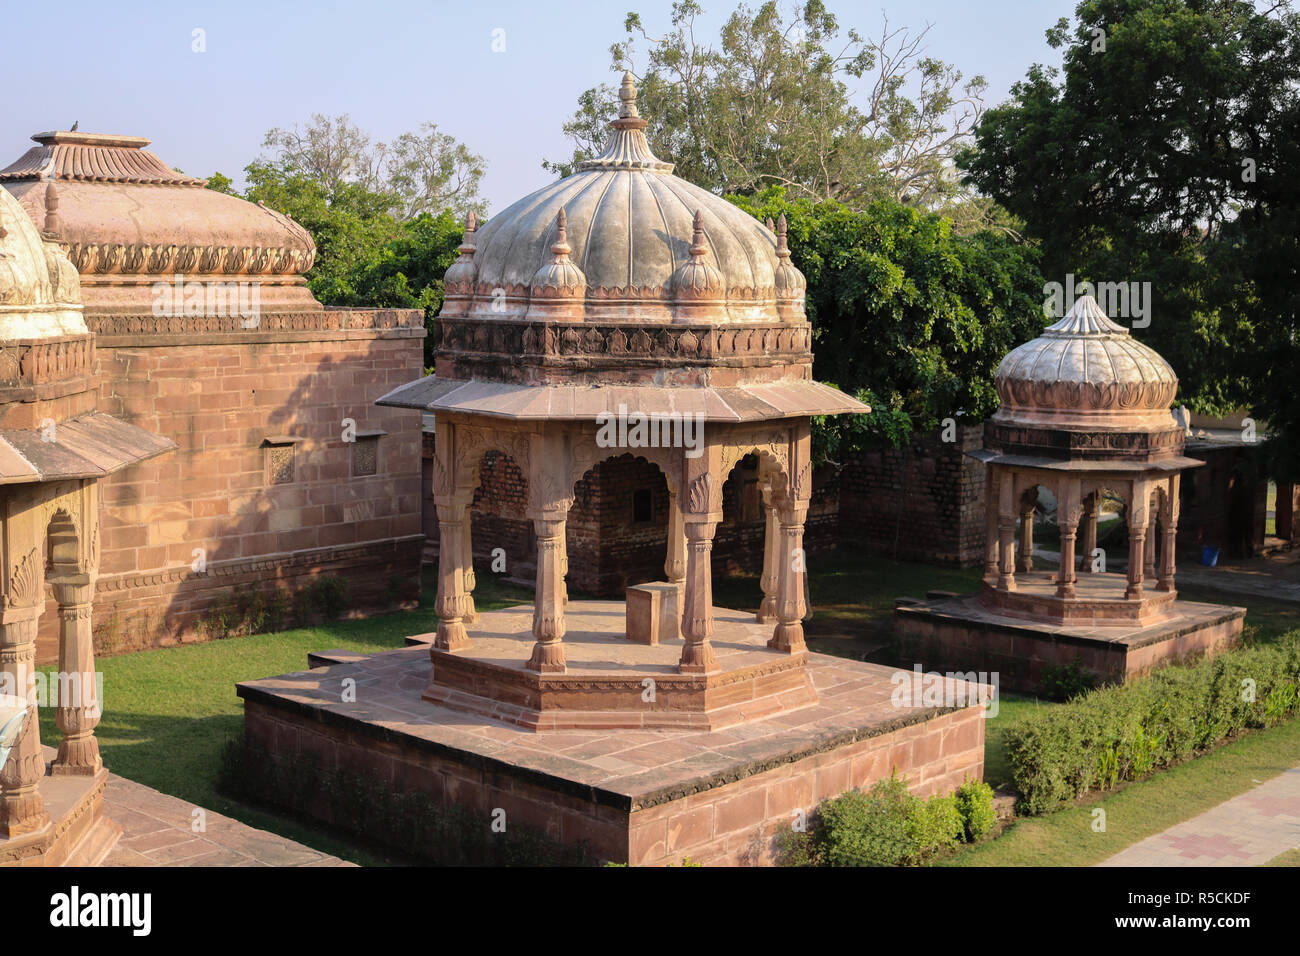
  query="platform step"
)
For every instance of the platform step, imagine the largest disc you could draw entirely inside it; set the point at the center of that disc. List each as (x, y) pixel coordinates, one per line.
(336, 655)
(96, 844)
(420, 640)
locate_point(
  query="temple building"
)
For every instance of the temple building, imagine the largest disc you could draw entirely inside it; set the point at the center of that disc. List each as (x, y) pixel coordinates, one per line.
(623, 311)
(285, 473)
(58, 452)
(1086, 416)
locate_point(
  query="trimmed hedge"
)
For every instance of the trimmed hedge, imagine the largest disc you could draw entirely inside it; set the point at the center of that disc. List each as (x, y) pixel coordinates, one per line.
(888, 826)
(1125, 732)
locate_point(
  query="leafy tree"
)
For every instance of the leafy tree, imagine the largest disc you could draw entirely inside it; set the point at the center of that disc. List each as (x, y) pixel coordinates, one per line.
(427, 171)
(1163, 151)
(906, 313)
(775, 102)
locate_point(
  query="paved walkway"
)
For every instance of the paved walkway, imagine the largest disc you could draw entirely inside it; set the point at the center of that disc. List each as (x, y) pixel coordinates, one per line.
(157, 830)
(1247, 830)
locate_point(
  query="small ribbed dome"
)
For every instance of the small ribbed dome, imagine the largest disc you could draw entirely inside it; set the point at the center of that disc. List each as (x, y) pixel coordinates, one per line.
(558, 287)
(39, 292)
(1085, 370)
(636, 233)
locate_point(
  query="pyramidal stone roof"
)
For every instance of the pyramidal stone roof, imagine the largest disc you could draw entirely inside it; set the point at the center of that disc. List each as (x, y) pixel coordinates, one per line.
(93, 158)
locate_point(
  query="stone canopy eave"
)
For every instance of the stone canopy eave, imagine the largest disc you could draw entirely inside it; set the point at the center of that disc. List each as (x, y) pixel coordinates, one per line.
(93, 446)
(741, 403)
(1091, 466)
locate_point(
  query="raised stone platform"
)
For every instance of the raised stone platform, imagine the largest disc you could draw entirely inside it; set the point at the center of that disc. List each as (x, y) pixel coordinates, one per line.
(963, 634)
(615, 683)
(641, 796)
(1098, 599)
(77, 833)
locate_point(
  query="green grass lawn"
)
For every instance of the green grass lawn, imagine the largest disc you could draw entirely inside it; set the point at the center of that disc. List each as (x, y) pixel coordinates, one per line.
(169, 712)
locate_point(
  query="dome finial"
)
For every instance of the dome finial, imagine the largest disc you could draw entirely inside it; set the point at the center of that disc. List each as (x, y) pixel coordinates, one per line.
(698, 248)
(51, 210)
(560, 247)
(627, 97)
(782, 245)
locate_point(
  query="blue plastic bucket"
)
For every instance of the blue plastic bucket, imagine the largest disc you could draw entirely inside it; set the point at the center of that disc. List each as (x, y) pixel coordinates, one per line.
(1209, 556)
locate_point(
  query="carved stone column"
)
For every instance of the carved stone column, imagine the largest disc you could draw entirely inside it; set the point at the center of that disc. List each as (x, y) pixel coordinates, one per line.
(21, 807)
(1007, 533)
(1090, 504)
(467, 562)
(790, 571)
(1067, 520)
(1137, 529)
(549, 499)
(78, 711)
(548, 601)
(991, 478)
(767, 613)
(1025, 557)
(452, 503)
(1149, 551)
(1169, 527)
(697, 614)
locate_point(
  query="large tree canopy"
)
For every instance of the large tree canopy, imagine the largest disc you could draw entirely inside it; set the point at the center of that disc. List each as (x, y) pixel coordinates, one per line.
(802, 103)
(905, 313)
(1164, 152)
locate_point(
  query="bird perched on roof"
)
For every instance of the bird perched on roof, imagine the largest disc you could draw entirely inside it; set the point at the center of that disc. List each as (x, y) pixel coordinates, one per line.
(75, 124)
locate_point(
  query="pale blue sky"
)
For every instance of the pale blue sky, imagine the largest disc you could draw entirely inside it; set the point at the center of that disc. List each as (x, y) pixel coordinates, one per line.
(127, 67)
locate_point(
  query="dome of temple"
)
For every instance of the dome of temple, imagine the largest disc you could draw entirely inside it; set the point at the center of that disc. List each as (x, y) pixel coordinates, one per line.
(644, 240)
(1085, 371)
(128, 220)
(39, 292)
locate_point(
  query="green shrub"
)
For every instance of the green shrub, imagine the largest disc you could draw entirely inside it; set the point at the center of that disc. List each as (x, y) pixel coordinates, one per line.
(885, 826)
(975, 804)
(1116, 734)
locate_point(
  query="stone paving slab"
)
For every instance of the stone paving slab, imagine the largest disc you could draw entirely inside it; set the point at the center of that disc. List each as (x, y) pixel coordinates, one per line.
(1248, 830)
(157, 831)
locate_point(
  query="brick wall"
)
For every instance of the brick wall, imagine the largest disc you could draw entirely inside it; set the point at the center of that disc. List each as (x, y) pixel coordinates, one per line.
(921, 502)
(220, 401)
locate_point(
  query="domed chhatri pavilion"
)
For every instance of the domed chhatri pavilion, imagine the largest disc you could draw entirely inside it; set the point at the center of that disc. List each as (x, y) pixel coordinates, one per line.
(624, 295)
(1085, 415)
(623, 311)
(55, 447)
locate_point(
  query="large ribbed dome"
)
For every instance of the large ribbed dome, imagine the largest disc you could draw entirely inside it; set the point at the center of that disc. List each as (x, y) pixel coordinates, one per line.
(40, 296)
(641, 237)
(1085, 371)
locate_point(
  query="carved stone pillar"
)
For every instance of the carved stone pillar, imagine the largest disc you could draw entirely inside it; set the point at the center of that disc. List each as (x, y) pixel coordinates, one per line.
(991, 478)
(697, 614)
(1025, 557)
(1067, 520)
(467, 563)
(675, 561)
(1090, 504)
(1149, 551)
(78, 711)
(790, 571)
(548, 601)
(452, 502)
(1137, 529)
(767, 613)
(1007, 533)
(21, 807)
(1169, 528)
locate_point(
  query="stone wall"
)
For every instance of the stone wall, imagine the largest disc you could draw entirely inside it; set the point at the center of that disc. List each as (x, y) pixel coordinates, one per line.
(921, 502)
(262, 481)
(1223, 503)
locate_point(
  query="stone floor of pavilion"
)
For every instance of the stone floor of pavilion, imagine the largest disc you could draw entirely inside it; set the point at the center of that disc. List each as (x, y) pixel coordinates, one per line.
(1025, 641)
(716, 793)
(612, 682)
